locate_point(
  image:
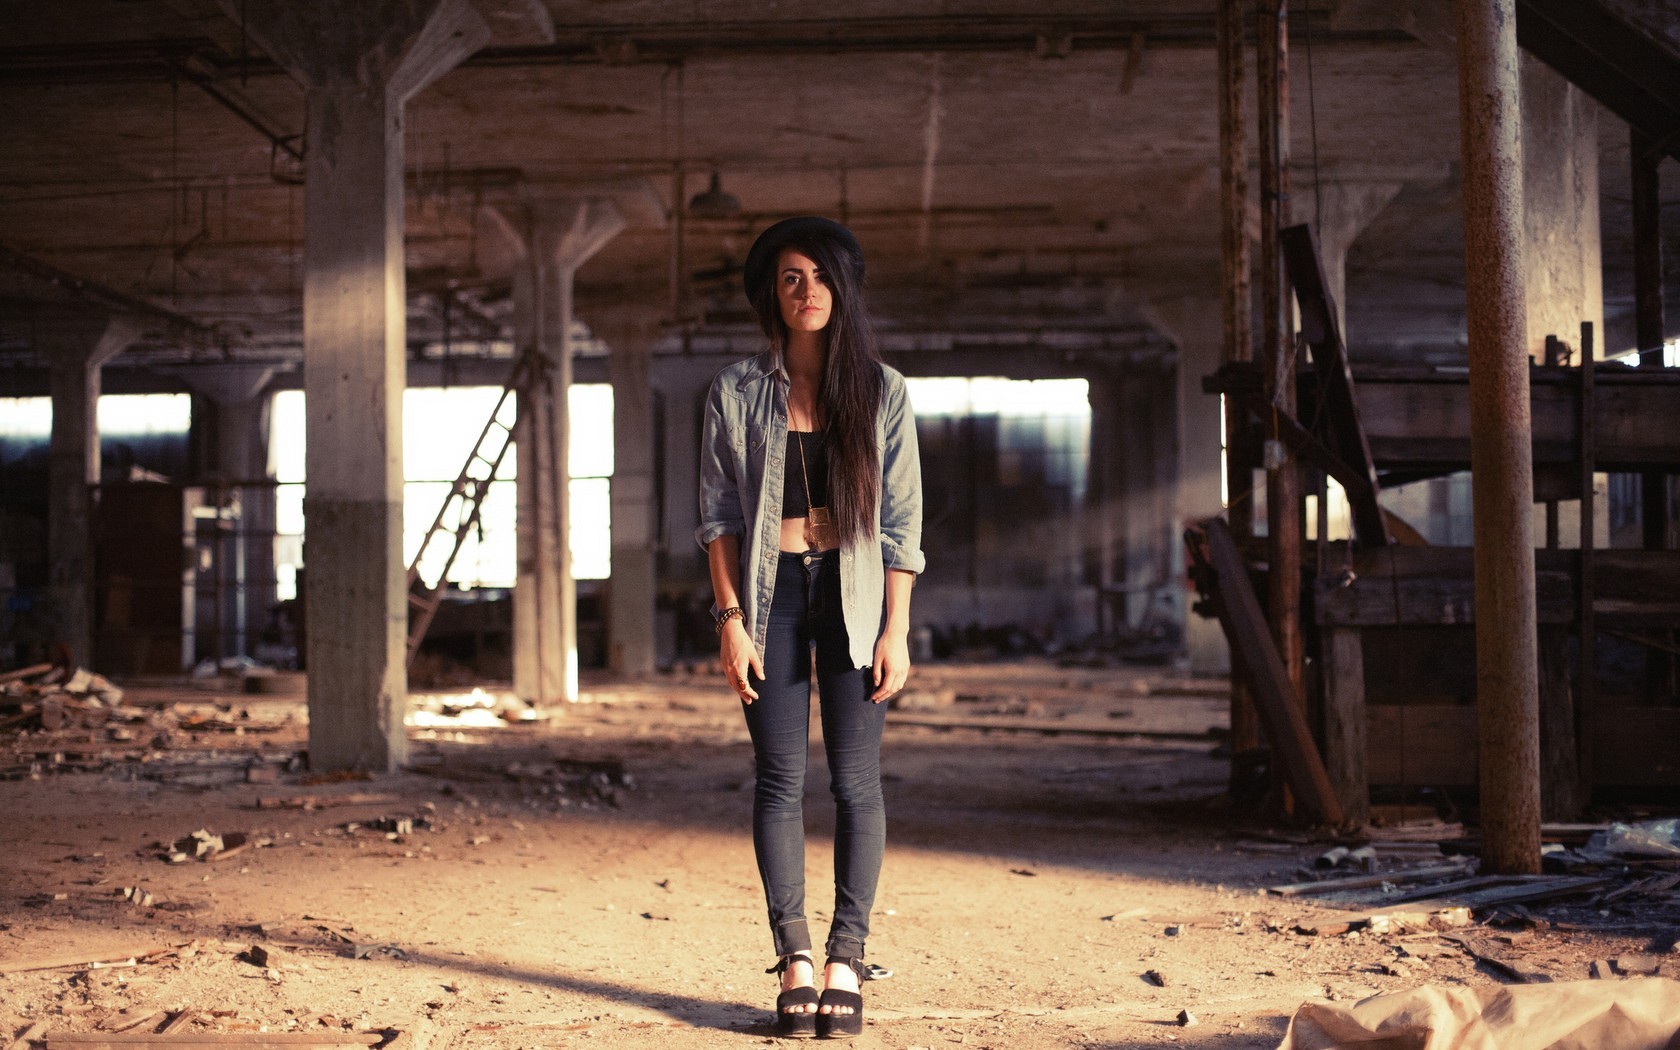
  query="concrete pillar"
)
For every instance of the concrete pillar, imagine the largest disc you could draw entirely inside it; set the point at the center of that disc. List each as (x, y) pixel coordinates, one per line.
(632, 594)
(239, 444)
(1195, 324)
(1562, 256)
(1501, 436)
(358, 64)
(78, 352)
(1347, 208)
(551, 238)
(236, 478)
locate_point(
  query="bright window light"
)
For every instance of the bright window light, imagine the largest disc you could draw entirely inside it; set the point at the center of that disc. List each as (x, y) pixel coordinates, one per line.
(25, 417)
(136, 415)
(996, 396)
(440, 427)
(119, 415)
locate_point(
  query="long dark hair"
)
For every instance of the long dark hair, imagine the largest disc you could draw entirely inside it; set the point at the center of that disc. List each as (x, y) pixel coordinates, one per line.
(853, 382)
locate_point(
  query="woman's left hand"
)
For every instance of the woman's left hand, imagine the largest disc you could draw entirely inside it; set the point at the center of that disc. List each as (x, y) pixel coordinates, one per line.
(892, 664)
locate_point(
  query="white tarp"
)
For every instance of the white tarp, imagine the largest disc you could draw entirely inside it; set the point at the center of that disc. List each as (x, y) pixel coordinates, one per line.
(1639, 1014)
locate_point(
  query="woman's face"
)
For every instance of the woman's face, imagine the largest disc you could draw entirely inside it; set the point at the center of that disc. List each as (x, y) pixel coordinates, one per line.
(802, 292)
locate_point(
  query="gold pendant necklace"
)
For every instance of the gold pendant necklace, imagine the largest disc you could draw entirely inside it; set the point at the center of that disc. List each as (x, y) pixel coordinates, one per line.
(819, 527)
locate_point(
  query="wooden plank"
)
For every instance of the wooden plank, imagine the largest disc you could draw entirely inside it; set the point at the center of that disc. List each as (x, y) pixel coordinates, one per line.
(1345, 722)
(1645, 742)
(1486, 951)
(24, 672)
(1286, 727)
(1335, 380)
(1417, 421)
(1587, 438)
(360, 798)
(1038, 724)
(196, 1041)
(1562, 793)
(1423, 744)
(1535, 888)
(1365, 882)
(89, 961)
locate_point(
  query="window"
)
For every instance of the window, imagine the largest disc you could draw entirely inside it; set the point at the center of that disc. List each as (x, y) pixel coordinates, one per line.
(440, 429)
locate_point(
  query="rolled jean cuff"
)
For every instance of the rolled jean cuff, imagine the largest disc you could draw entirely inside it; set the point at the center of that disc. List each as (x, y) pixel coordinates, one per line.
(791, 937)
(841, 946)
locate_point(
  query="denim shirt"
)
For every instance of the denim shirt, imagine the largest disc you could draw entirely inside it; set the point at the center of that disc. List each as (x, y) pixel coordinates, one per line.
(743, 454)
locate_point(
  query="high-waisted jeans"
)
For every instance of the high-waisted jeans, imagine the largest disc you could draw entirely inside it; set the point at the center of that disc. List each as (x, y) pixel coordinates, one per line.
(805, 611)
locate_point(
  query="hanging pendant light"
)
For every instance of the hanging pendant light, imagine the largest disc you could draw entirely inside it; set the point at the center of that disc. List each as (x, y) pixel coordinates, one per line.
(713, 202)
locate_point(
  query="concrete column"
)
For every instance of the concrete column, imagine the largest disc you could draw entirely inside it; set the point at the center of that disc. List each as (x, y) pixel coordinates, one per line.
(1196, 325)
(552, 238)
(358, 64)
(241, 452)
(236, 478)
(78, 353)
(1348, 207)
(1562, 256)
(632, 595)
(1501, 436)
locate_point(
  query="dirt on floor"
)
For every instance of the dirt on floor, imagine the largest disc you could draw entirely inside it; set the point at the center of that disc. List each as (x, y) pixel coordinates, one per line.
(1063, 870)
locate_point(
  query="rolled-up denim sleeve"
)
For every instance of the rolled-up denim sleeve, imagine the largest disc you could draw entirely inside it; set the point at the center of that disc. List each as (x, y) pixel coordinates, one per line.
(720, 499)
(901, 482)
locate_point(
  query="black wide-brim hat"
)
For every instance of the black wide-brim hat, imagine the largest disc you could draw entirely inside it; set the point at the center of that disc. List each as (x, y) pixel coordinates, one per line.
(792, 233)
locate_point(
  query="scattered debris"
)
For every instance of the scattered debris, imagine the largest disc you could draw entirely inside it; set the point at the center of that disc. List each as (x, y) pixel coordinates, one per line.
(206, 845)
(34, 1031)
(1651, 838)
(239, 1040)
(1359, 882)
(310, 801)
(91, 962)
(1638, 965)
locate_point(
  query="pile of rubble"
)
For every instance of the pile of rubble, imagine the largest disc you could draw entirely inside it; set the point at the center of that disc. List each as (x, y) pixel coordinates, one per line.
(53, 696)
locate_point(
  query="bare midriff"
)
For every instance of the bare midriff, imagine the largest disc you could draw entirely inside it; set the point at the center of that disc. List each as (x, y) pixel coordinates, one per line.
(793, 536)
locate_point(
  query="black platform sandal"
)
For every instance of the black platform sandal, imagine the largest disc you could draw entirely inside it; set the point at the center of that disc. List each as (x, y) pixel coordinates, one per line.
(792, 1023)
(847, 1025)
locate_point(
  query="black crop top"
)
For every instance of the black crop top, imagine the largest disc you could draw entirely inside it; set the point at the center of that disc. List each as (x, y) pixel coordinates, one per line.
(794, 503)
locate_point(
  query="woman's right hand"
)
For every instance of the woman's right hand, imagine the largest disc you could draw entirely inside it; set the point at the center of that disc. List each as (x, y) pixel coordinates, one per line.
(738, 656)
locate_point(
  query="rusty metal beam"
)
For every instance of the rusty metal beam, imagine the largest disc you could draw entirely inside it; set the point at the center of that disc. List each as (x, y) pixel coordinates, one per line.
(1507, 654)
(1283, 479)
(1237, 305)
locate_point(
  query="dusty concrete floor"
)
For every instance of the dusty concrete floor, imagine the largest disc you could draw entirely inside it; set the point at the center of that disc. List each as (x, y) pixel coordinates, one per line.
(1030, 882)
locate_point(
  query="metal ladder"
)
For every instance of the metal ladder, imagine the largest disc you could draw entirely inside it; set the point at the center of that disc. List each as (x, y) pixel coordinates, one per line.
(466, 501)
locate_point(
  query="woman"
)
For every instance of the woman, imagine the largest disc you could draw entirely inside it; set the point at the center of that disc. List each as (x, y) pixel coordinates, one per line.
(811, 517)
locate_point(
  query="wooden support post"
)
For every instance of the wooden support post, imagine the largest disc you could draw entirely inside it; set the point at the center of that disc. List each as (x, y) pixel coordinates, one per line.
(1562, 793)
(1501, 437)
(1584, 589)
(1554, 357)
(1283, 485)
(1252, 649)
(1345, 736)
(1648, 335)
(1236, 294)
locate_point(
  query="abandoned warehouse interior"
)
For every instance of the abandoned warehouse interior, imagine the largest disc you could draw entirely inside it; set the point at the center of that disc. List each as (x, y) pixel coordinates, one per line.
(1220, 319)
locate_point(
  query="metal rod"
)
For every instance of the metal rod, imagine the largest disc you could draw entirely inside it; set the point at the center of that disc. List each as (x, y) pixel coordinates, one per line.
(1283, 484)
(1501, 438)
(1648, 336)
(1237, 302)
